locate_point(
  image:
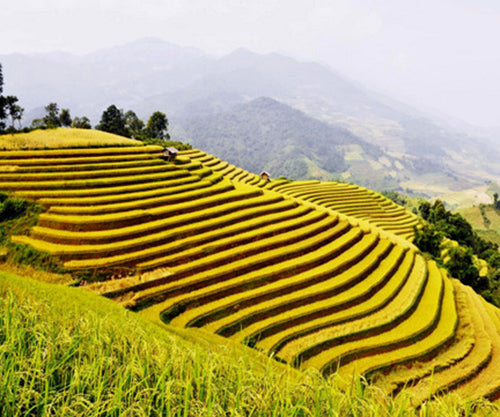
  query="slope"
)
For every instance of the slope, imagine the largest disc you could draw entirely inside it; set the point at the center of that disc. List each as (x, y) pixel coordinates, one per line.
(264, 134)
(186, 245)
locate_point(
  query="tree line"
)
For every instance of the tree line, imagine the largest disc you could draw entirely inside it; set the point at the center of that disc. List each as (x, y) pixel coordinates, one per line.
(113, 120)
(459, 260)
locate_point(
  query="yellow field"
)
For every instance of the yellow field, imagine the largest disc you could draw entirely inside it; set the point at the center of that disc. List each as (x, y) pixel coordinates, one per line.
(63, 138)
(315, 274)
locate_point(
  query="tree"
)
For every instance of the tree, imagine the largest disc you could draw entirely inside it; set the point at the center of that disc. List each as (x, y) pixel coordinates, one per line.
(428, 239)
(14, 110)
(460, 264)
(3, 103)
(81, 123)
(65, 118)
(134, 125)
(113, 121)
(425, 209)
(157, 126)
(51, 119)
(496, 203)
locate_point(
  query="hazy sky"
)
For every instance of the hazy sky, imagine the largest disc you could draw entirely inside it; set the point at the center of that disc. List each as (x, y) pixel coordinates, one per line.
(437, 54)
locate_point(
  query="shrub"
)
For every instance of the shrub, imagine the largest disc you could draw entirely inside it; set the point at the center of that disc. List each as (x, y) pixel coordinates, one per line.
(12, 208)
(428, 239)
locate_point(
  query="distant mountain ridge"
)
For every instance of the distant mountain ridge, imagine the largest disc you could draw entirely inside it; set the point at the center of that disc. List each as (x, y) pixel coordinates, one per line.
(190, 86)
(264, 134)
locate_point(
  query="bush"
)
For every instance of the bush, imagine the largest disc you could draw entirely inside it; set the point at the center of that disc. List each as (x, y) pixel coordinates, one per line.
(12, 208)
(461, 265)
(24, 254)
(428, 239)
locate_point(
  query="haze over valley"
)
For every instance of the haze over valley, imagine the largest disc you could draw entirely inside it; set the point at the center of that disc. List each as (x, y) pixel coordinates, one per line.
(250, 101)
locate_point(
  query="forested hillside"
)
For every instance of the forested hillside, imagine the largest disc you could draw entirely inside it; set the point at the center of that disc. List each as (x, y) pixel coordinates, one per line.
(264, 134)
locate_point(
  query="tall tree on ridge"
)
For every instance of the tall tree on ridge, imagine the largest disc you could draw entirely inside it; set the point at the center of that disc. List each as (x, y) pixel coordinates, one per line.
(51, 119)
(113, 121)
(65, 118)
(15, 111)
(3, 103)
(134, 125)
(81, 123)
(157, 126)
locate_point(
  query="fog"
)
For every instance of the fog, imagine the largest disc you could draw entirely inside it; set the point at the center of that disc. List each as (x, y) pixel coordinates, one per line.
(440, 56)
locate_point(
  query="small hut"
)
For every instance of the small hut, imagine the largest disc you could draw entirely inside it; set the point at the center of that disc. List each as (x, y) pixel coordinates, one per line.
(265, 175)
(169, 154)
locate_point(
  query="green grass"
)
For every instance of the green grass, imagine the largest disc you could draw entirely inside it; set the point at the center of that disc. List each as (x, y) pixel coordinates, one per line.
(68, 352)
(485, 220)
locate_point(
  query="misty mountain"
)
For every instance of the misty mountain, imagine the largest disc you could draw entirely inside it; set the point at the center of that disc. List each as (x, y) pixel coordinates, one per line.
(191, 86)
(88, 84)
(264, 134)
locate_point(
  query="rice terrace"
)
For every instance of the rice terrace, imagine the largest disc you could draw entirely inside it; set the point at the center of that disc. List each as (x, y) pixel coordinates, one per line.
(309, 291)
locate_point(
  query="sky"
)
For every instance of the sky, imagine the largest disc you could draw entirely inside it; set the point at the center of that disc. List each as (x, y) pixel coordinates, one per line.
(441, 56)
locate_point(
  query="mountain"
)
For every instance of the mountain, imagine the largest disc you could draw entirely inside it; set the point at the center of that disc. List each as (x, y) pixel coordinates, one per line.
(89, 83)
(264, 134)
(187, 84)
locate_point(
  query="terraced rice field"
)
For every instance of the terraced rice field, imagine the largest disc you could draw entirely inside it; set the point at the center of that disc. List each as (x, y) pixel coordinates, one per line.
(347, 199)
(311, 273)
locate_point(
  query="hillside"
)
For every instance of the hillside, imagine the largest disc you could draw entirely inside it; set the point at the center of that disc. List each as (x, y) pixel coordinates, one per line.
(264, 134)
(310, 273)
(187, 84)
(152, 370)
(485, 220)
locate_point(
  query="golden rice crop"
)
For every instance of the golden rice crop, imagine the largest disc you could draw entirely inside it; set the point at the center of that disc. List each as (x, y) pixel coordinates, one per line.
(175, 188)
(88, 222)
(340, 291)
(91, 183)
(423, 318)
(487, 381)
(463, 370)
(258, 269)
(405, 280)
(218, 216)
(398, 308)
(462, 345)
(144, 203)
(75, 174)
(324, 281)
(107, 191)
(63, 138)
(443, 332)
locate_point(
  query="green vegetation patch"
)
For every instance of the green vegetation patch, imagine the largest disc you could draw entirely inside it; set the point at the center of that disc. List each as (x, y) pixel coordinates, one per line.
(68, 352)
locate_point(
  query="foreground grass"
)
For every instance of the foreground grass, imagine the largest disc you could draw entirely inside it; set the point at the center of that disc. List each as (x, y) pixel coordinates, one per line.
(67, 352)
